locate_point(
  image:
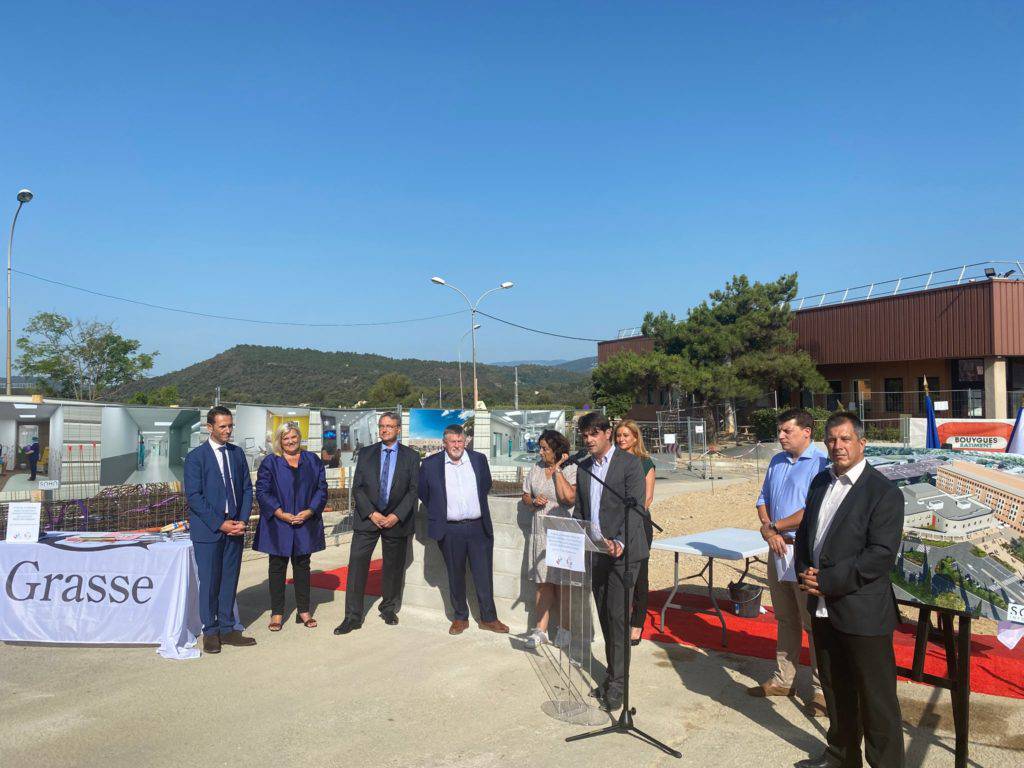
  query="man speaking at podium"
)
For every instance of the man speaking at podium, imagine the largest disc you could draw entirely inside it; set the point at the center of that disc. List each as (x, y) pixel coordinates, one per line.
(608, 516)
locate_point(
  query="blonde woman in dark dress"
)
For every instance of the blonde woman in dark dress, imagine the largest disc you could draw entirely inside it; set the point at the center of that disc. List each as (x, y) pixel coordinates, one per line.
(629, 438)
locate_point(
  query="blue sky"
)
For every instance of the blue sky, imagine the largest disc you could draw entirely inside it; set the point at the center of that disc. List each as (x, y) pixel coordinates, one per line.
(319, 162)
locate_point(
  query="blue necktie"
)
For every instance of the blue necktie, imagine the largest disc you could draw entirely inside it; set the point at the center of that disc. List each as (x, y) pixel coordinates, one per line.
(384, 489)
(229, 491)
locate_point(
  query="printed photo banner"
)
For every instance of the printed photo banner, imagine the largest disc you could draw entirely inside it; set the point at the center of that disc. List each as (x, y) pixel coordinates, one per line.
(94, 588)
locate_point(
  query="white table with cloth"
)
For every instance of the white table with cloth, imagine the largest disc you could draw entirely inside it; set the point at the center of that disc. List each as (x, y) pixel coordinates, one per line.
(102, 588)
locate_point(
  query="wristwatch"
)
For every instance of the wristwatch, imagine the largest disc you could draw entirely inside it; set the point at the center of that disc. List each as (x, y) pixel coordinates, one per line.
(774, 528)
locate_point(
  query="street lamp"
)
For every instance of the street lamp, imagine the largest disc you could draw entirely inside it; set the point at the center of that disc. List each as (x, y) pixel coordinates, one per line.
(24, 195)
(473, 326)
(462, 397)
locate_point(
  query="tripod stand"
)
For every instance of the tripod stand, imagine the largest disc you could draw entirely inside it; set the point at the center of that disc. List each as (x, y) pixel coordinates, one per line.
(625, 722)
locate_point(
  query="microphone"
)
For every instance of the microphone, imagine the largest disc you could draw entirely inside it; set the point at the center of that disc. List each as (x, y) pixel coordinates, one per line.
(576, 458)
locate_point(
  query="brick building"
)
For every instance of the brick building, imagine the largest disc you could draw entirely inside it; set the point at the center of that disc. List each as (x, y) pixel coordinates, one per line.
(965, 339)
(1001, 491)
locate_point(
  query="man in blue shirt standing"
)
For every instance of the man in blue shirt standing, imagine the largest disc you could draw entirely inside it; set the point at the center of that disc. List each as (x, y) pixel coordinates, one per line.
(780, 508)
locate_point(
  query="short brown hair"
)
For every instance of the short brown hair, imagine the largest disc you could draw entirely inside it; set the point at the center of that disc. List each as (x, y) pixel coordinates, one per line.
(594, 420)
(803, 418)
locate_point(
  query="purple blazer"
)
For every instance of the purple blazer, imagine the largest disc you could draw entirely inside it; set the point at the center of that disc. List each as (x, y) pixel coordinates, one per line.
(276, 488)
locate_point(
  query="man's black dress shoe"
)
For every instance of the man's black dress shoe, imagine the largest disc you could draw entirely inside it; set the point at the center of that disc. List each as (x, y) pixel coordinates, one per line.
(347, 626)
(390, 617)
(824, 760)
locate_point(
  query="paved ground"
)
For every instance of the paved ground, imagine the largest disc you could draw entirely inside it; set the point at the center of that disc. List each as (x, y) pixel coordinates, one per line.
(411, 696)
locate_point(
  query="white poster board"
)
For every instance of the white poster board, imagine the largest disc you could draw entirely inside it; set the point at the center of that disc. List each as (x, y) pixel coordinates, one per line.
(23, 521)
(669, 439)
(565, 550)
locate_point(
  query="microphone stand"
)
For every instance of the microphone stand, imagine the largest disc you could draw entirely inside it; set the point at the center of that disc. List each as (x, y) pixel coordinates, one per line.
(625, 722)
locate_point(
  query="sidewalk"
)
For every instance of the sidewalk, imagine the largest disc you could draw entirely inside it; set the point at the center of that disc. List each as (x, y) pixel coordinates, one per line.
(410, 696)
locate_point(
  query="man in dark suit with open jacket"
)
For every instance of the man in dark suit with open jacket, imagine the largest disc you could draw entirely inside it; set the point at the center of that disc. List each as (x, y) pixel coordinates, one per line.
(608, 518)
(384, 492)
(846, 546)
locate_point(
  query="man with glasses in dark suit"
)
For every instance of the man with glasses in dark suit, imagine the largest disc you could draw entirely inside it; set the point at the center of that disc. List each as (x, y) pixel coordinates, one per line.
(384, 490)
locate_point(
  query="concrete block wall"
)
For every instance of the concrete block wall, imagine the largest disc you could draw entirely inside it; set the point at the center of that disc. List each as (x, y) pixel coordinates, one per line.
(81, 451)
(426, 579)
(314, 440)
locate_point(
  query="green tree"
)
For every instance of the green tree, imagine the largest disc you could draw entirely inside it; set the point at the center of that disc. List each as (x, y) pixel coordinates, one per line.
(616, 381)
(79, 360)
(739, 342)
(392, 388)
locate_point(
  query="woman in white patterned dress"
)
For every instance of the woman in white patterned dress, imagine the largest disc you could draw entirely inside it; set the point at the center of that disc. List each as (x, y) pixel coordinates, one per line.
(549, 490)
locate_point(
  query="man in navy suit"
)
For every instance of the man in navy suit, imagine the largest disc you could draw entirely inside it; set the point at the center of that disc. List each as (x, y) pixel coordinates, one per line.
(454, 483)
(219, 492)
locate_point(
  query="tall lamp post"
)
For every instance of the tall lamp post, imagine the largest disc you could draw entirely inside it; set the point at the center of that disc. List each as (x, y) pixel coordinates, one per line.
(24, 195)
(473, 326)
(462, 397)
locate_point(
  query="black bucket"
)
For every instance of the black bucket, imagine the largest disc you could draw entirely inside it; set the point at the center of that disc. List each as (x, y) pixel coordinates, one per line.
(746, 599)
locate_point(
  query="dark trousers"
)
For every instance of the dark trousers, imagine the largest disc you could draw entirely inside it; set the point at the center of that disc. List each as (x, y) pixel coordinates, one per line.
(300, 580)
(609, 577)
(32, 463)
(858, 679)
(394, 549)
(640, 587)
(218, 563)
(464, 541)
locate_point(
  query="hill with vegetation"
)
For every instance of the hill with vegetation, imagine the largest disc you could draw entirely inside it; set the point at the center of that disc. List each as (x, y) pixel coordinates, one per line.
(258, 374)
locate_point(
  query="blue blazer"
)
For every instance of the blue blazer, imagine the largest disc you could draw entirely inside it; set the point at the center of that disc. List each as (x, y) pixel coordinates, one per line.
(434, 495)
(276, 488)
(204, 488)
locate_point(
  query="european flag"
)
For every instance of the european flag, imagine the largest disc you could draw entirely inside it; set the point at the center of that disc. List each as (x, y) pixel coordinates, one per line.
(1016, 444)
(933, 430)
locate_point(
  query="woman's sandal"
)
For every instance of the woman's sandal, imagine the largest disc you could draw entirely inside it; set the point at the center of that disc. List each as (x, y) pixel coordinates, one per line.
(275, 626)
(309, 623)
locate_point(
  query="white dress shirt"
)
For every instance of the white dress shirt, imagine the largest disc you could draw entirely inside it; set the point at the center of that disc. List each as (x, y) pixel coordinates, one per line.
(837, 490)
(220, 465)
(460, 488)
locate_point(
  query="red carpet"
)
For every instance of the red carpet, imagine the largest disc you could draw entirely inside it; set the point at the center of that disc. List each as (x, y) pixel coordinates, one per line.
(995, 669)
(336, 579)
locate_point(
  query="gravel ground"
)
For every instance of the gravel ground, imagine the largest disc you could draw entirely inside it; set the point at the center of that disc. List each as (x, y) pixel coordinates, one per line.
(728, 506)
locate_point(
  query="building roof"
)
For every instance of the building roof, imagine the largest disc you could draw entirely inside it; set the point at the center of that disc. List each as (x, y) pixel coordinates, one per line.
(924, 497)
(1004, 481)
(907, 470)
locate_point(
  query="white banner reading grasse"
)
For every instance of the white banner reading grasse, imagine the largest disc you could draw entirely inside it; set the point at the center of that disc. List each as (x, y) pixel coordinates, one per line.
(143, 592)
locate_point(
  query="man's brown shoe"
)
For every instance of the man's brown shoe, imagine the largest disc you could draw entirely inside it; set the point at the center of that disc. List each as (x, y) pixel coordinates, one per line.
(816, 706)
(211, 643)
(494, 626)
(458, 627)
(237, 638)
(768, 689)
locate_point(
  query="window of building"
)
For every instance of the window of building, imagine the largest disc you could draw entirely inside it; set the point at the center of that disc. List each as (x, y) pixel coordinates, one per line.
(894, 395)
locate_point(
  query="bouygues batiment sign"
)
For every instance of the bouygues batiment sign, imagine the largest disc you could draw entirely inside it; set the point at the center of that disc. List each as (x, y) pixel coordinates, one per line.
(965, 434)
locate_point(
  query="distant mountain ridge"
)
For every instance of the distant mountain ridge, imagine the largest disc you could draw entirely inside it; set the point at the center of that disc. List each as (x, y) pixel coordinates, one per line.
(279, 375)
(579, 365)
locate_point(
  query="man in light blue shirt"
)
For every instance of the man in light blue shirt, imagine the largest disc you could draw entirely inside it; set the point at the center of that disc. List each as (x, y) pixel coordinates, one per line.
(780, 508)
